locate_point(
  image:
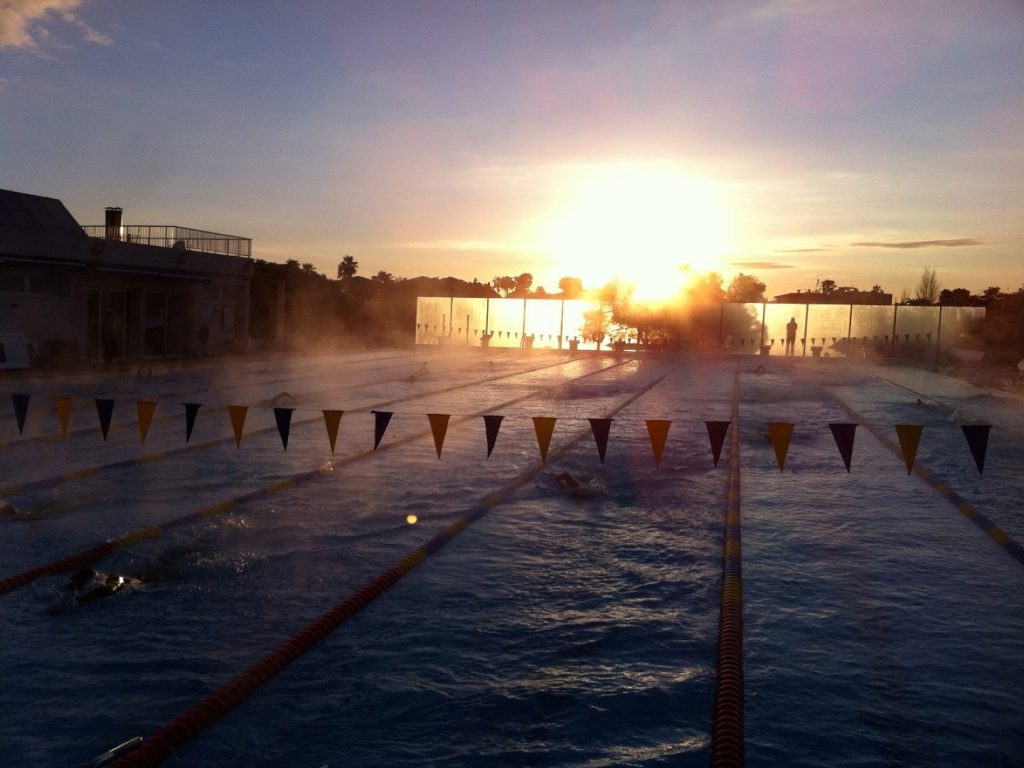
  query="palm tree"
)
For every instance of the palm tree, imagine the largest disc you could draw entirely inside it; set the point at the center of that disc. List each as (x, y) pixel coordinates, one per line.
(347, 268)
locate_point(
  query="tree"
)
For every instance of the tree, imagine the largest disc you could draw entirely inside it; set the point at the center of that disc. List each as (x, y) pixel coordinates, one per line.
(827, 287)
(571, 287)
(347, 268)
(958, 297)
(523, 283)
(384, 278)
(876, 288)
(992, 292)
(504, 284)
(308, 268)
(746, 289)
(928, 286)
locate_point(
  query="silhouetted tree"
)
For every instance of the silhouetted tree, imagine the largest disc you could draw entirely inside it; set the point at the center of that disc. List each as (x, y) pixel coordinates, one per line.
(746, 288)
(928, 286)
(827, 287)
(957, 297)
(571, 287)
(504, 284)
(523, 283)
(384, 278)
(347, 268)
(308, 268)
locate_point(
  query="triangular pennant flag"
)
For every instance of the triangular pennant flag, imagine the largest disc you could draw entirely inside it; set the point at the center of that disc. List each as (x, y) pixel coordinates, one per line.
(283, 417)
(843, 434)
(105, 409)
(717, 431)
(544, 426)
(439, 426)
(237, 415)
(601, 429)
(380, 424)
(332, 419)
(191, 409)
(780, 434)
(20, 410)
(910, 437)
(64, 414)
(657, 429)
(144, 409)
(492, 424)
(977, 441)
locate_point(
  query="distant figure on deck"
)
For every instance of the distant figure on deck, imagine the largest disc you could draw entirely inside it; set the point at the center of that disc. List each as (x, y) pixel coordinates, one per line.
(791, 327)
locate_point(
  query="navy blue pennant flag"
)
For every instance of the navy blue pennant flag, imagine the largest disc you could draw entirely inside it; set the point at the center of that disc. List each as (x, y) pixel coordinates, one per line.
(844, 434)
(601, 429)
(380, 425)
(716, 432)
(105, 409)
(977, 441)
(283, 416)
(20, 410)
(191, 409)
(492, 424)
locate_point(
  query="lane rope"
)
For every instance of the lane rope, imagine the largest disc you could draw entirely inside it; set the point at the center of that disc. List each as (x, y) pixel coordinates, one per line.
(727, 730)
(986, 524)
(216, 705)
(94, 554)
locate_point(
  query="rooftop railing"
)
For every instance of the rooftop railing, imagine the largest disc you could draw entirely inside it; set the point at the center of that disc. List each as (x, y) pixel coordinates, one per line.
(169, 236)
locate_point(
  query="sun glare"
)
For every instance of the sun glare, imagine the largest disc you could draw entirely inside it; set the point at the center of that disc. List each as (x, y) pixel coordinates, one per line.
(650, 226)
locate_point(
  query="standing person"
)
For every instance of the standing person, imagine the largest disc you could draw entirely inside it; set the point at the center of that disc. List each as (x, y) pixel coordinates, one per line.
(791, 327)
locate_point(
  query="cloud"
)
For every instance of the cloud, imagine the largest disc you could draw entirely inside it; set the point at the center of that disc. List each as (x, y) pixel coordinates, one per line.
(764, 264)
(21, 23)
(958, 243)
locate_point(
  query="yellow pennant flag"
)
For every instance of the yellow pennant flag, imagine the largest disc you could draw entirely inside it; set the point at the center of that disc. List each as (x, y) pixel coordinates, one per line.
(64, 414)
(237, 414)
(910, 438)
(332, 419)
(439, 426)
(544, 426)
(780, 434)
(145, 409)
(657, 429)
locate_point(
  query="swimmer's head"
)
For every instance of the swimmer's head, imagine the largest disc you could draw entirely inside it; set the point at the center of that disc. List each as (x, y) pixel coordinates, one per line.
(82, 577)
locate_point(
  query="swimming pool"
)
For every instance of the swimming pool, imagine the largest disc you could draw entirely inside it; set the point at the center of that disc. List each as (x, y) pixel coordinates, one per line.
(881, 626)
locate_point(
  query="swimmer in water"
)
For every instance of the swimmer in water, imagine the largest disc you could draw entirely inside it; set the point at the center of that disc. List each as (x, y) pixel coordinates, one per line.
(90, 585)
(567, 481)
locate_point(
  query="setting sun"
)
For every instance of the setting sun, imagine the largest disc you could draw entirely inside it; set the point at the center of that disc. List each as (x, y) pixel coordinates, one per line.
(648, 225)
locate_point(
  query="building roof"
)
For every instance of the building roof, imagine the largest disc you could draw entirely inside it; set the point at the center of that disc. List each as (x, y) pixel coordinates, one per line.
(19, 210)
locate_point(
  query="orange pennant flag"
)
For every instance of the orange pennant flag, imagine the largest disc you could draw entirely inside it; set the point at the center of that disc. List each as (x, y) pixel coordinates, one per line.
(544, 426)
(439, 426)
(64, 414)
(910, 438)
(144, 409)
(780, 434)
(332, 419)
(657, 429)
(237, 414)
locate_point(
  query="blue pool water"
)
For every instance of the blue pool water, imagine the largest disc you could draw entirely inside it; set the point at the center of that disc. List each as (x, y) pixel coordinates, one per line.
(882, 626)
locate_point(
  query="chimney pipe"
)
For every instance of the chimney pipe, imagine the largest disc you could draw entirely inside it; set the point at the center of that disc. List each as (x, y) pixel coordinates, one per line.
(113, 221)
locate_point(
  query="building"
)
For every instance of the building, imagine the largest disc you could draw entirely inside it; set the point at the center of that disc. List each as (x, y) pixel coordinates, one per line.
(116, 292)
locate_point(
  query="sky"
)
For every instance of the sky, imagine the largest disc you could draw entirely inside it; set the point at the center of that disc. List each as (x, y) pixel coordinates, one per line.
(856, 141)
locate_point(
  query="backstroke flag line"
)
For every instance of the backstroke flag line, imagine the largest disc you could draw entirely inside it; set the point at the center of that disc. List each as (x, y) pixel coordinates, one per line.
(144, 411)
(331, 420)
(492, 423)
(844, 434)
(544, 426)
(439, 428)
(657, 430)
(910, 437)
(601, 429)
(780, 434)
(717, 431)
(237, 415)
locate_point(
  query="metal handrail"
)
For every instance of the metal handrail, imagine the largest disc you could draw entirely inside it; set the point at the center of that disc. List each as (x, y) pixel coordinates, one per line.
(168, 236)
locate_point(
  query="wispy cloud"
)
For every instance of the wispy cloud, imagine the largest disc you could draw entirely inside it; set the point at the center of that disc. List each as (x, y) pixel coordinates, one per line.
(21, 23)
(764, 264)
(957, 243)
